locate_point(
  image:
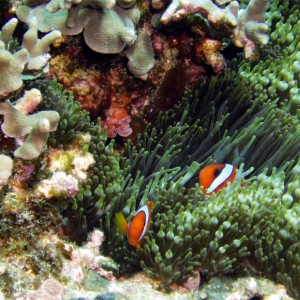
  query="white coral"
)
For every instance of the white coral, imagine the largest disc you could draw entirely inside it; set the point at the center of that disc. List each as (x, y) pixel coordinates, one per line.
(38, 48)
(60, 184)
(6, 168)
(29, 102)
(51, 289)
(247, 27)
(33, 55)
(11, 69)
(251, 28)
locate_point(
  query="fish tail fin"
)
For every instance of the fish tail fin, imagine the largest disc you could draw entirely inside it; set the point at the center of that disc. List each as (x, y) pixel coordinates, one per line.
(121, 222)
(150, 205)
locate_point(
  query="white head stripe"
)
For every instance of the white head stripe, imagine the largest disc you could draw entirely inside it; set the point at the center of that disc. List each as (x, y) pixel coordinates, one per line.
(221, 178)
(144, 209)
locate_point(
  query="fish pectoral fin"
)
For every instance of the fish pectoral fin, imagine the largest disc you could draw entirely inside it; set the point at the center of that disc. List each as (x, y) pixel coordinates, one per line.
(121, 223)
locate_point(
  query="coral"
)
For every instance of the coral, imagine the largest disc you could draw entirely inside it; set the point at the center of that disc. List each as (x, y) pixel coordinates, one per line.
(245, 27)
(36, 126)
(87, 85)
(110, 31)
(32, 56)
(54, 5)
(126, 3)
(47, 21)
(7, 32)
(34, 2)
(251, 28)
(38, 49)
(29, 101)
(51, 289)
(68, 169)
(12, 65)
(36, 140)
(59, 185)
(87, 256)
(77, 160)
(117, 121)
(217, 16)
(246, 117)
(245, 287)
(105, 31)
(141, 55)
(207, 50)
(6, 168)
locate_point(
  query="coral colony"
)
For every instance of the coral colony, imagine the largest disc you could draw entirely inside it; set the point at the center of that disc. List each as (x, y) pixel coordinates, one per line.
(150, 136)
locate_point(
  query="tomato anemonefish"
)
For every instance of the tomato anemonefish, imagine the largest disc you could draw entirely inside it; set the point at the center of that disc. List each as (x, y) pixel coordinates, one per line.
(138, 227)
(214, 177)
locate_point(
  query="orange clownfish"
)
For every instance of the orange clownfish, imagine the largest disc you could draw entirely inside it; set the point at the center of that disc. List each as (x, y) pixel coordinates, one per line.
(214, 177)
(139, 225)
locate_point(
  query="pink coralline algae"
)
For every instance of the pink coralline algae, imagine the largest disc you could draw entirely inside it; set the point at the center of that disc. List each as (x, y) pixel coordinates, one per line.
(118, 120)
(59, 185)
(86, 85)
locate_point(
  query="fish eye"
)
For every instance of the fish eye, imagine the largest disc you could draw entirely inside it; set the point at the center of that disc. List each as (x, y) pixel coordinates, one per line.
(217, 172)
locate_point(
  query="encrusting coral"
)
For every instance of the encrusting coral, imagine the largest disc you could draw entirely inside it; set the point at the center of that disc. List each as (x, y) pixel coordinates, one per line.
(50, 289)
